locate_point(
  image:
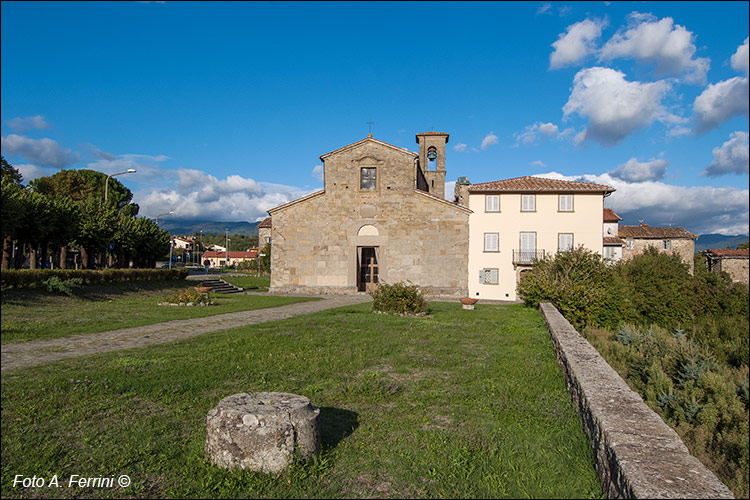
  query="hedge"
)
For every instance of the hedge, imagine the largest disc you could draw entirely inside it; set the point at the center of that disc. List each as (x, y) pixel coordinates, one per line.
(20, 278)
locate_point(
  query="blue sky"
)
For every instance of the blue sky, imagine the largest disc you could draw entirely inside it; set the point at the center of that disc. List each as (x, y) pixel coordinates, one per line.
(224, 108)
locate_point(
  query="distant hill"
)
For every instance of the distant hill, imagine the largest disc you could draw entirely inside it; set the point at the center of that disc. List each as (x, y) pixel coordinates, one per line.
(706, 241)
(189, 227)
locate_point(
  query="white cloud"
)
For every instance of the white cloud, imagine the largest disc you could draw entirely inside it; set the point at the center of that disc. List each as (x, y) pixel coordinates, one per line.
(576, 43)
(720, 102)
(489, 140)
(44, 152)
(732, 157)
(22, 124)
(635, 171)
(670, 47)
(615, 107)
(459, 147)
(317, 172)
(700, 209)
(544, 8)
(146, 166)
(196, 194)
(533, 133)
(31, 172)
(740, 58)
(537, 163)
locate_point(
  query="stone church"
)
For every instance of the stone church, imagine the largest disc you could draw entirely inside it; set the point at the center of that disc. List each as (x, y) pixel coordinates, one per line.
(381, 218)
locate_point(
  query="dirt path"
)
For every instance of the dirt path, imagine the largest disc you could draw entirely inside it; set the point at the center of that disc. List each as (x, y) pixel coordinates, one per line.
(37, 352)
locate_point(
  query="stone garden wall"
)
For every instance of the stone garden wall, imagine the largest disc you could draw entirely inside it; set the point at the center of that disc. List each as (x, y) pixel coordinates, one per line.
(637, 454)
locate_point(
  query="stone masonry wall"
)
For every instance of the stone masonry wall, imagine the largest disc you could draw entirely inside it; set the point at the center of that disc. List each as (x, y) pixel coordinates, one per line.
(421, 239)
(737, 269)
(683, 247)
(637, 454)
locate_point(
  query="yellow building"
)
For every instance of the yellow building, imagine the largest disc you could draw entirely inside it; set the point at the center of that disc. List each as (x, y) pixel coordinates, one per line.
(516, 221)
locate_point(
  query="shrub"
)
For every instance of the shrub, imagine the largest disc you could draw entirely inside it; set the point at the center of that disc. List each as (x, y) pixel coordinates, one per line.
(22, 278)
(576, 283)
(658, 288)
(56, 285)
(190, 295)
(399, 298)
(705, 401)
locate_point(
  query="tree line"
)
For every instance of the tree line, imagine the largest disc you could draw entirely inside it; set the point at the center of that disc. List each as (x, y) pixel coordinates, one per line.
(43, 222)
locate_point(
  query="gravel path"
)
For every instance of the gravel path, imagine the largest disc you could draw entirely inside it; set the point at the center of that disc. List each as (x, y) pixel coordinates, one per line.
(37, 352)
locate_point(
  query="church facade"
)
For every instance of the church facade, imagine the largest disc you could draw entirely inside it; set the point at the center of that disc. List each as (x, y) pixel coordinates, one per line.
(381, 218)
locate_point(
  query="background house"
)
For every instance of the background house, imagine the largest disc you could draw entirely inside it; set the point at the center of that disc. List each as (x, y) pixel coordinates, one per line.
(611, 242)
(234, 258)
(264, 232)
(672, 240)
(731, 261)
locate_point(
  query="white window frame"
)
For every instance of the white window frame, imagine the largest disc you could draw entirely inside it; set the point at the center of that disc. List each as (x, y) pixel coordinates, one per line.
(610, 253)
(629, 244)
(667, 244)
(528, 203)
(492, 203)
(489, 248)
(559, 242)
(565, 207)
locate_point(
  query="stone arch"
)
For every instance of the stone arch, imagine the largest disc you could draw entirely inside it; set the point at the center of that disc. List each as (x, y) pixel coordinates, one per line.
(368, 230)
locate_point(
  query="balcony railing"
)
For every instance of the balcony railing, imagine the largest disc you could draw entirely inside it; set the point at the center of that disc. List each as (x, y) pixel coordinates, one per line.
(527, 256)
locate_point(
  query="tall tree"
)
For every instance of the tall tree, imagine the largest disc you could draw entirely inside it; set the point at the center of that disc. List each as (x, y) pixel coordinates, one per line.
(9, 172)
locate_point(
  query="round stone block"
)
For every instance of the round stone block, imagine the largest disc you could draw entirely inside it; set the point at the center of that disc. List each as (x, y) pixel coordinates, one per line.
(260, 431)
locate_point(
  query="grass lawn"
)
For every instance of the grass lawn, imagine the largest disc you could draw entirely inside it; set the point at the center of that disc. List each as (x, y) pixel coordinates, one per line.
(29, 314)
(456, 404)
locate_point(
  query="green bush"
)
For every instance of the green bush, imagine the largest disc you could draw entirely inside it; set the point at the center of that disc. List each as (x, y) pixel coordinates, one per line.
(56, 285)
(704, 400)
(21, 278)
(576, 283)
(658, 288)
(399, 298)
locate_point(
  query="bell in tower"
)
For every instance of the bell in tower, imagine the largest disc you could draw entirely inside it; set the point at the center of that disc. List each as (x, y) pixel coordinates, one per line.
(432, 160)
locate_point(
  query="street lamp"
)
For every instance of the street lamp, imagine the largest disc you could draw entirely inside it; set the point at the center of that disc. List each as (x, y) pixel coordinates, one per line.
(106, 182)
(166, 213)
(171, 240)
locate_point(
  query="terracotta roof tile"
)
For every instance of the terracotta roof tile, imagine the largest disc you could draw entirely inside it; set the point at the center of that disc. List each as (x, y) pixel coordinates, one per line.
(609, 240)
(611, 216)
(265, 223)
(646, 231)
(536, 184)
(730, 252)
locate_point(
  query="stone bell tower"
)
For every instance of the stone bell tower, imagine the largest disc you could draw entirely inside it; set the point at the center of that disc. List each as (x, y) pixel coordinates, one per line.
(432, 160)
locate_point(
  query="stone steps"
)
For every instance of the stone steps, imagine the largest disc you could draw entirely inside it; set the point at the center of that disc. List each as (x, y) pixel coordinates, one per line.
(220, 286)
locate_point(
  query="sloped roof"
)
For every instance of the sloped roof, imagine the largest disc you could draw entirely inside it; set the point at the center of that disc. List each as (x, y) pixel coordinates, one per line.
(646, 231)
(265, 223)
(293, 202)
(611, 216)
(368, 139)
(537, 184)
(730, 252)
(609, 240)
